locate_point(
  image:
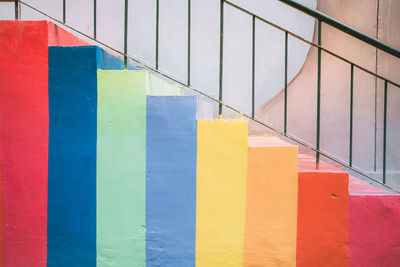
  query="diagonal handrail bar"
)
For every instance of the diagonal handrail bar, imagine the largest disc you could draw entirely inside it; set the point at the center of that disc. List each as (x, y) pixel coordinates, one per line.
(343, 27)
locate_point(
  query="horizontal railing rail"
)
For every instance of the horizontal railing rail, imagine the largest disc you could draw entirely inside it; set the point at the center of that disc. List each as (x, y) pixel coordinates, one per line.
(284, 132)
(343, 27)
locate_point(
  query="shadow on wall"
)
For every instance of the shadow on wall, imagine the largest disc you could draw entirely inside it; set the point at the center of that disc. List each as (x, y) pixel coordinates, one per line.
(378, 18)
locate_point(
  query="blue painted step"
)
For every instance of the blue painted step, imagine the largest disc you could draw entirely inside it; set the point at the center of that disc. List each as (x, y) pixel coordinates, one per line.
(171, 154)
(72, 153)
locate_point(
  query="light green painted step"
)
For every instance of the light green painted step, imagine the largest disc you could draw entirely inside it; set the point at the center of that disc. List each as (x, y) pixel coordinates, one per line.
(121, 168)
(154, 85)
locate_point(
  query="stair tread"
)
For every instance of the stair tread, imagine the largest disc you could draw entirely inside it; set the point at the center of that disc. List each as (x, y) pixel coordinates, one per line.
(358, 187)
(267, 141)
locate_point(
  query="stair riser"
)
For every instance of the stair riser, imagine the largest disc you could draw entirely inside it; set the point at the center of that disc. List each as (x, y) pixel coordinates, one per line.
(121, 168)
(374, 232)
(24, 137)
(322, 233)
(171, 153)
(271, 206)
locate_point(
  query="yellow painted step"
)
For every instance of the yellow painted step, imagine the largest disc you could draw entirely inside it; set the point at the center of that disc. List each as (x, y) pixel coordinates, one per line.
(221, 192)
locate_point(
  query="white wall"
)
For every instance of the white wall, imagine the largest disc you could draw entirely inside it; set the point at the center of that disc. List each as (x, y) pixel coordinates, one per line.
(6, 11)
(205, 39)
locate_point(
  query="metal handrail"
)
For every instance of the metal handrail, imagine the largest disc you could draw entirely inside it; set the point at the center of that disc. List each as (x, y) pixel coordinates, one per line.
(322, 18)
(348, 165)
(343, 27)
(310, 43)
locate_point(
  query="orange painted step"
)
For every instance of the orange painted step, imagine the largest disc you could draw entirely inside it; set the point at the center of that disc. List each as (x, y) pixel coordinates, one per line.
(271, 203)
(322, 233)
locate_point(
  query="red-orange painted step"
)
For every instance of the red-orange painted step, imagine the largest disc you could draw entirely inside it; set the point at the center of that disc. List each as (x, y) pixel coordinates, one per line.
(322, 229)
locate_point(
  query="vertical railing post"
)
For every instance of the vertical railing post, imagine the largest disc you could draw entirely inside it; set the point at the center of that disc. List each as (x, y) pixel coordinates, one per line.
(253, 67)
(318, 94)
(221, 53)
(157, 29)
(384, 133)
(189, 39)
(351, 114)
(126, 34)
(16, 7)
(64, 18)
(94, 19)
(286, 84)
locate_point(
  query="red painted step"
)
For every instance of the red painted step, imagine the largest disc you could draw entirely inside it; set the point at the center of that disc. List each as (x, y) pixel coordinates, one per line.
(24, 122)
(374, 226)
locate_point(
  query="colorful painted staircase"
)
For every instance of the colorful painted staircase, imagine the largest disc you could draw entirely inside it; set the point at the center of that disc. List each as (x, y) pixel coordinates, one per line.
(107, 167)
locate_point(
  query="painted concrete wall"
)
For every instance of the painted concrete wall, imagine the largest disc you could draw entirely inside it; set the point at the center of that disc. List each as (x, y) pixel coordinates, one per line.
(205, 40)
(335, 92)
(7, 11)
